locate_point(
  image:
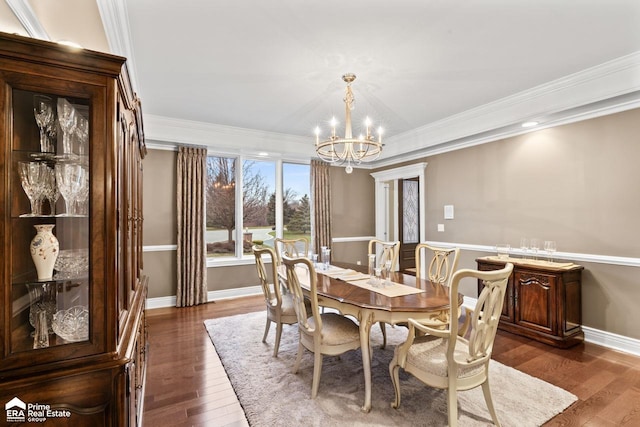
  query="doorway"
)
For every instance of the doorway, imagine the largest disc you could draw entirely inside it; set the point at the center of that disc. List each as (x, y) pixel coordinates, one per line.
(389, 214)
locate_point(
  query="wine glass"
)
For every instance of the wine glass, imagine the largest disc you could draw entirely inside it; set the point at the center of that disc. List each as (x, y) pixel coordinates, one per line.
(70, 178)
(82, 197)
(378, 280)
(535, 246)
(51, 192)
(82, 132)
(387, 273)
(524, 245)
(371, 266)
(31, 180)
(550, 247)
(67, 120)
(43, 112)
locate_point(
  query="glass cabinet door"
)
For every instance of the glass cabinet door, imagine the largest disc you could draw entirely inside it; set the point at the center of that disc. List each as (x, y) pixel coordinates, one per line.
(50, 221)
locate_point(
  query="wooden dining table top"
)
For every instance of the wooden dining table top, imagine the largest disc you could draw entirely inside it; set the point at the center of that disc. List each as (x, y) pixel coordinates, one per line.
(434, 298)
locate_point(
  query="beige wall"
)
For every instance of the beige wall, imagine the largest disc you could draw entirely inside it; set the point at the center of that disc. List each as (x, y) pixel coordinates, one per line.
(352, 213)
(159, 202)
(576, 184)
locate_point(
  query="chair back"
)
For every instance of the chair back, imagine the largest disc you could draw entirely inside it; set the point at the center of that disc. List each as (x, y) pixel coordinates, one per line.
(301, 270)
(385, 251)
(293, 248)
(442, 262)
(269, 285)
(486, 315)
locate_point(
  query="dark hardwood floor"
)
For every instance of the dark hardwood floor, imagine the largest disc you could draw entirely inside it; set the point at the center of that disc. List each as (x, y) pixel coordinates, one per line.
(186, 384)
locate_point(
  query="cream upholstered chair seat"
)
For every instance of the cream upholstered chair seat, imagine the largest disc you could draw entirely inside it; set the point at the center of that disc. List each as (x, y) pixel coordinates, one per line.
(444, 359)
(429, 354)
(320, 333)
(286, 306)
(337, 329)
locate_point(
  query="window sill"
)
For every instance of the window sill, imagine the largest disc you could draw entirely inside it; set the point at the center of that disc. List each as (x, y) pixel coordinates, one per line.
(230, 262)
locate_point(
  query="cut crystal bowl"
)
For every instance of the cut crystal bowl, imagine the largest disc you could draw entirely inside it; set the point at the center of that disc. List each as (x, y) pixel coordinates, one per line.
(72, 324)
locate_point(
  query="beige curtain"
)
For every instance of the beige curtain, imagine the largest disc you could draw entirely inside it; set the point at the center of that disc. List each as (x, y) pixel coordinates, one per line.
(321, 193)
(192, 256)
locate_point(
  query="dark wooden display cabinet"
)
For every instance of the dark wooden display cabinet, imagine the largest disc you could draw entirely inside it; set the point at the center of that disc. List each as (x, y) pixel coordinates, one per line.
(72, 331)
(543, 300)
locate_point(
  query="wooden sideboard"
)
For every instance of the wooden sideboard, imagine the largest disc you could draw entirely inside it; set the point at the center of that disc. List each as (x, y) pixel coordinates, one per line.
(543, 300)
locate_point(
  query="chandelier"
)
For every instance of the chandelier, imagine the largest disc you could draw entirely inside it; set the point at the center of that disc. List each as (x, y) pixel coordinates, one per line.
(349, 150)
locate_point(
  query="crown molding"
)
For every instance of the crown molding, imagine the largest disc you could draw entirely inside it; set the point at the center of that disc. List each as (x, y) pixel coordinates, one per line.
(22, 10)
(551, 104)
(115, 21)
(226, 139)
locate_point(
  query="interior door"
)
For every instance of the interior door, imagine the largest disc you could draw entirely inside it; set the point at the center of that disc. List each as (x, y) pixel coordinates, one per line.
(408, 222)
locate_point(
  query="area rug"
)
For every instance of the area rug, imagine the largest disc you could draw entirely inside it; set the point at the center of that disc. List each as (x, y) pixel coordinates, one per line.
(272, 395)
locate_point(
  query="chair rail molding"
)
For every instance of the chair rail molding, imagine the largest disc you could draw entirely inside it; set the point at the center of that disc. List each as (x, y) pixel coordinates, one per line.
(570, 256)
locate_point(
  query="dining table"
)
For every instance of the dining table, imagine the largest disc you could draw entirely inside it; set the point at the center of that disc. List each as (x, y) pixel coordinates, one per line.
(349, 290)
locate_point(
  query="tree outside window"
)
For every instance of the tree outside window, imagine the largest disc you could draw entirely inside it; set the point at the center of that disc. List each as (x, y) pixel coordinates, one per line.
(258, 204)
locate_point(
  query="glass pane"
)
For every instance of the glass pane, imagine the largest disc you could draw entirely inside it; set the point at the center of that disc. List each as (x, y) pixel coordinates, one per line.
(221, 206)
(296, 207)
(258, 209)
(50, 221)
(410, 211)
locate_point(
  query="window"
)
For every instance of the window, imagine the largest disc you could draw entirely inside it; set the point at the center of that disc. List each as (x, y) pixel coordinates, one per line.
(254, 205)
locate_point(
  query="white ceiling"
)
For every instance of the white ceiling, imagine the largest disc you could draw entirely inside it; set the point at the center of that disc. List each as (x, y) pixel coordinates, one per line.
(432, 73)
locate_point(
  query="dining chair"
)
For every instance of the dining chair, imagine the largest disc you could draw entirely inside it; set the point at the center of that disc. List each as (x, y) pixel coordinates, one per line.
(279, 305)
(445, 360)
(388, 251)
(291, 247)
(442, 262)
(385, 251)
(321, 333)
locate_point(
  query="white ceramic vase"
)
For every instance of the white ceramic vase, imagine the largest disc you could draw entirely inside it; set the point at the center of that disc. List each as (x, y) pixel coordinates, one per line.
(44, 250)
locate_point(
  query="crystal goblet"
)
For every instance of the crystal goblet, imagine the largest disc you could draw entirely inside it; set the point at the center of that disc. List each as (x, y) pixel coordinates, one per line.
(67, 120)
(82, 133)
(31, 177)
(43, 112)
(69, 177)
(51, 192)
(535, 246)
(550, 247)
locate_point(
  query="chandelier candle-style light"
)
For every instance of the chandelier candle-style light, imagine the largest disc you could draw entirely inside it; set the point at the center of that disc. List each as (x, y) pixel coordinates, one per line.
(349, 150)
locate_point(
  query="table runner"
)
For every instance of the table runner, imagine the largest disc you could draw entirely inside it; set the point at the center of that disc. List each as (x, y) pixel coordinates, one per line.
(362, 280)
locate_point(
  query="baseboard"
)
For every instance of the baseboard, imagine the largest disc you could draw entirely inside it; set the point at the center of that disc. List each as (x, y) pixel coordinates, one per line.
(612, 341)
(593, 336)
(170, 301)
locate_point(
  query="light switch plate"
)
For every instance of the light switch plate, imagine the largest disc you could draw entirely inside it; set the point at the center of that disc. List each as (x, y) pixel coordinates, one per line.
(441, 227)
(448, 211)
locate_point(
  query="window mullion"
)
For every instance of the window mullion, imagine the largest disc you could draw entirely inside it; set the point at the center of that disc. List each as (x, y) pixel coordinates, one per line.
(239, 207)
(279, 207)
